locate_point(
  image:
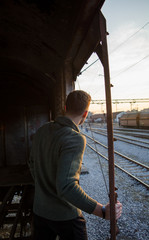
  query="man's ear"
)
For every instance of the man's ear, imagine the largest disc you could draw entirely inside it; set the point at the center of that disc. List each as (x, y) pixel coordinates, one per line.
(85, 114)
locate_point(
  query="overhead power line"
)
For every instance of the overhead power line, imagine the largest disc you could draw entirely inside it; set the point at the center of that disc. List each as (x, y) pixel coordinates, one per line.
(116, 47)
(126, 69)
(129, 37)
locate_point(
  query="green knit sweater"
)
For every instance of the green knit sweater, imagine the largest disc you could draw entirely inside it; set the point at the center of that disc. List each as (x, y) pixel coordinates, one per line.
(55, 163)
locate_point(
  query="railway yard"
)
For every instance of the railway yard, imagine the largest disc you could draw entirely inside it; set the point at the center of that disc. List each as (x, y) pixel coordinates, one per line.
(44, 47)
(131, 153)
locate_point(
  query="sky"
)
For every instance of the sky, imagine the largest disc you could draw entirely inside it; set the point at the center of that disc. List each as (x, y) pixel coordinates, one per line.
(128, 48)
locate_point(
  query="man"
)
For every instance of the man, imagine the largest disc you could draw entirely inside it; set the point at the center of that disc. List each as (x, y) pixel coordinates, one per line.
(55, 163)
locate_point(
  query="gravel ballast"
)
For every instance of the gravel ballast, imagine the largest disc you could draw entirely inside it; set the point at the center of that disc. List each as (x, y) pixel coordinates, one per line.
(134, 222)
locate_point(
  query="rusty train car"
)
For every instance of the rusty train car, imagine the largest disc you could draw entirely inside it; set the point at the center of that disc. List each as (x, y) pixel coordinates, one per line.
(136, 120)
(43, 47)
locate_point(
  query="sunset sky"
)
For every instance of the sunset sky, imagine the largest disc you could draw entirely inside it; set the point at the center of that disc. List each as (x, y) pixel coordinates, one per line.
(128, 47)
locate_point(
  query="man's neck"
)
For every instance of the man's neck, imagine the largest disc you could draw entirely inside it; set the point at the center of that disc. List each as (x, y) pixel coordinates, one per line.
(75, 119)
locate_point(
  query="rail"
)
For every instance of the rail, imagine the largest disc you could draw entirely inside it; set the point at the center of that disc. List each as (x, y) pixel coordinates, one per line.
(123, 139)
(124, 157)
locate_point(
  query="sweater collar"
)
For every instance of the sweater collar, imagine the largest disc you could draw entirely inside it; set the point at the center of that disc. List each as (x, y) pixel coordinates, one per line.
(65, 121)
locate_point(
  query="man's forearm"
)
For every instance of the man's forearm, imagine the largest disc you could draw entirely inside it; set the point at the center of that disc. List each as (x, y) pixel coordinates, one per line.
(98, 210)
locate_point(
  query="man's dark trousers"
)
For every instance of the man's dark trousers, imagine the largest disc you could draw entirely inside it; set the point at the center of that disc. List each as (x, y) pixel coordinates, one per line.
(45, 229)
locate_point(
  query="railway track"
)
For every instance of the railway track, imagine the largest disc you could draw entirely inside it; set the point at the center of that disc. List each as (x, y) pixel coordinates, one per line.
(122, 129)
(15, 212)
(123, 139)
(130, 132)
(134, 134)
(131, 167)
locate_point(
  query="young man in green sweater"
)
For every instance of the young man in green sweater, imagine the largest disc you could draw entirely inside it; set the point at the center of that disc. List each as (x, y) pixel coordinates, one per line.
(55, 164)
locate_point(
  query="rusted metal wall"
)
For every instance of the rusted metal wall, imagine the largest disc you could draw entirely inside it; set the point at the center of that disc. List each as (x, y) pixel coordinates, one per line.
(43, 46)
(18, 125)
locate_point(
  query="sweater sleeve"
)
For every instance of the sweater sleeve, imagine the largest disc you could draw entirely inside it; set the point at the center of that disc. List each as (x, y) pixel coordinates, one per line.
(68, 174)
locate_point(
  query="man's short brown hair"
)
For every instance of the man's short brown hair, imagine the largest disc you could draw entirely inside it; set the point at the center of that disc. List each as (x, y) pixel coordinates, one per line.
(77, 102)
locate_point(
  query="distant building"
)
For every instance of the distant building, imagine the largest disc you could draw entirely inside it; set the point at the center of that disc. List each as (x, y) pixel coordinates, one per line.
(100, 117)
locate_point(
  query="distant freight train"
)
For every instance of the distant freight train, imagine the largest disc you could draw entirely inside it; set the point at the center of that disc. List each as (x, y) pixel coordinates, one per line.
(137, 120)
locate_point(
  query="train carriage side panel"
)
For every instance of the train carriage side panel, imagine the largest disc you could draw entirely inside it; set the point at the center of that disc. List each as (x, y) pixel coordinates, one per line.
(144, 120)
(132, 120)
(123, 120)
